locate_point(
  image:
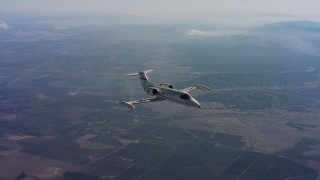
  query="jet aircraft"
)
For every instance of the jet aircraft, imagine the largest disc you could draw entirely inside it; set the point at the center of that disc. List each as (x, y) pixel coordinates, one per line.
(164, 91)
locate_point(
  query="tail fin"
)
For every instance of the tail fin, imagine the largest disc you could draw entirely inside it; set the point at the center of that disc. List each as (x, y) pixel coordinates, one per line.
(143, 77)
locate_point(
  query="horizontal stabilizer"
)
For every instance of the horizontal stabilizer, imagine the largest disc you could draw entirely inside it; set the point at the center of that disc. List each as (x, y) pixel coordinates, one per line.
(147, 71)
(137, 73)
(132, 74)
(127, 104)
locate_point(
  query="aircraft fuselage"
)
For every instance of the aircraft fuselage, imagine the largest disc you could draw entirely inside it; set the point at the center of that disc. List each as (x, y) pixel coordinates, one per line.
(172, 95)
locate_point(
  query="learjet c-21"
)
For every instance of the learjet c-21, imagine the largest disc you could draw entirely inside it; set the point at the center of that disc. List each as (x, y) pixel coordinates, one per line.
(164, 91)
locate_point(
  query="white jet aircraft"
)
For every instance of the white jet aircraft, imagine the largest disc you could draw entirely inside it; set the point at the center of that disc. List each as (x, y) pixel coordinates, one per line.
(164, 91)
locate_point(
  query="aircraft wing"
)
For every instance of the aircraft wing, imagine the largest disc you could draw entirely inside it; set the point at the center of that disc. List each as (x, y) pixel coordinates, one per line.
(189, 89)
(153, 99)
(130, 104)
(196, 86)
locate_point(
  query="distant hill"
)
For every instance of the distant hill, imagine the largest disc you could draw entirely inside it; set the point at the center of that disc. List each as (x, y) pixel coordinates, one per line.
(297, 25)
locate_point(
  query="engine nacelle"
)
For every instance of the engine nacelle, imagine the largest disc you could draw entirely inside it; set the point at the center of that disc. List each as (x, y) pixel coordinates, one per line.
(151, 91)
(166, 85)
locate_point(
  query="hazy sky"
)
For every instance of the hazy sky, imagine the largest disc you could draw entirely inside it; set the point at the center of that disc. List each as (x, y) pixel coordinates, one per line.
(295, 7)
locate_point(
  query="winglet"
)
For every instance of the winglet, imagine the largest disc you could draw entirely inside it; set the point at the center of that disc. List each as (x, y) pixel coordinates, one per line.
(202, 87)
(127, 105)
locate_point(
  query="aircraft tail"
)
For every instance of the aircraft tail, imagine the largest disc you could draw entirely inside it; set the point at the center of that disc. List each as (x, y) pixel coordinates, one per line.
(143, 77)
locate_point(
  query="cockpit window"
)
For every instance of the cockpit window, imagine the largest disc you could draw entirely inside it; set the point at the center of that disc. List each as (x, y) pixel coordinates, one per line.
(184, 96)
